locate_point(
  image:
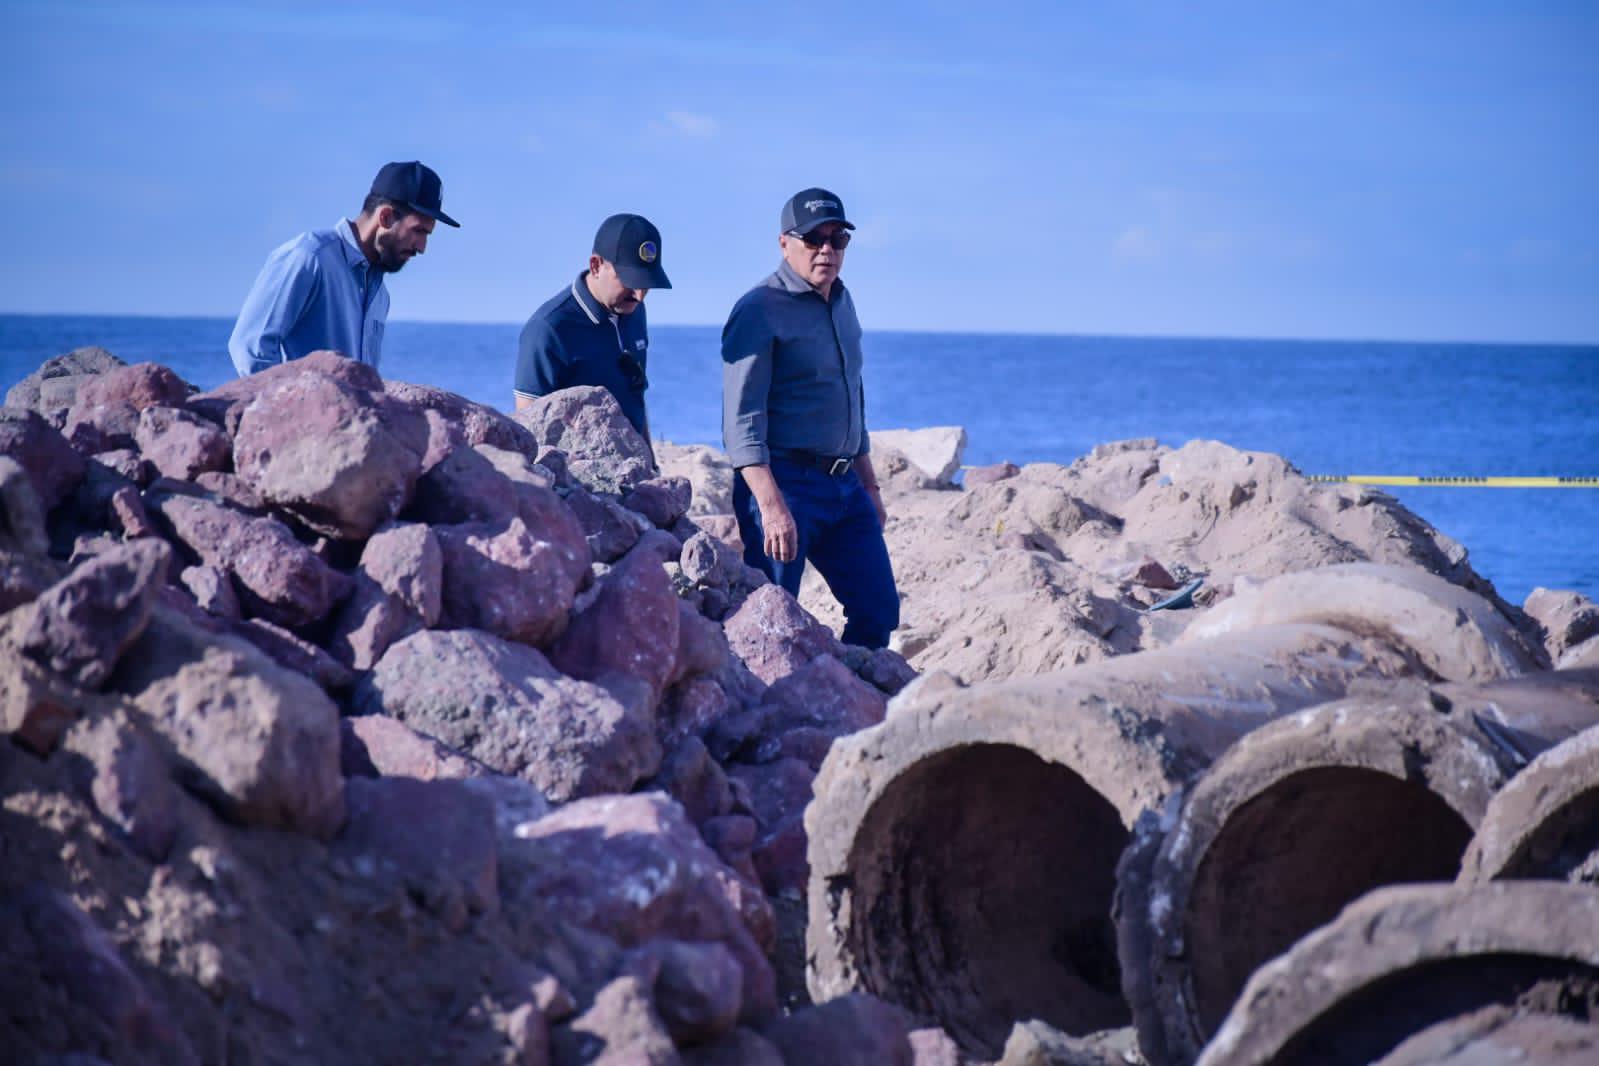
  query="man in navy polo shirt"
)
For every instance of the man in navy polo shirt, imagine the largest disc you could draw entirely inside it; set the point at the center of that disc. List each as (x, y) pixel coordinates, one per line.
(593, 332)
(324, 289)
(794, 425)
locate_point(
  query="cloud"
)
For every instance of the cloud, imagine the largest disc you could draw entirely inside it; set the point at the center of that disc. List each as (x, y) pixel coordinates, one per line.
(686, 124)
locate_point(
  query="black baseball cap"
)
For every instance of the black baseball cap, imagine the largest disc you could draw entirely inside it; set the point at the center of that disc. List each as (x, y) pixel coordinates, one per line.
(809, 208)
(632, 244)
(414, 185)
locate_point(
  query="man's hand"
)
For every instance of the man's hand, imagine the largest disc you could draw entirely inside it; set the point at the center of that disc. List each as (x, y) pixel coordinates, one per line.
(868, 476)
(777, 523)
(877, 503)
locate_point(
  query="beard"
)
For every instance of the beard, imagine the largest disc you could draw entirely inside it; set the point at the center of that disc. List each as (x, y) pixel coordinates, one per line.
(390, 261)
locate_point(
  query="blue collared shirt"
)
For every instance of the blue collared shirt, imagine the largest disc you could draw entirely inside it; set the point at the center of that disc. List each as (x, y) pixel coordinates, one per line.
(573, 340)
(317, 291)
(791, 372)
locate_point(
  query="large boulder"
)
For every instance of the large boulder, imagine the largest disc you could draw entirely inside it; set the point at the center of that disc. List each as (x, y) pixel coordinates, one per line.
(80, 626)
(603, 450)
(259, 742)
(630, 627)
(332, 455)
(775, 636)
(504, 705)
(935, 451)
(278, 578)
(53, 467)
(53, 388)
(499, 577)
(180, 444)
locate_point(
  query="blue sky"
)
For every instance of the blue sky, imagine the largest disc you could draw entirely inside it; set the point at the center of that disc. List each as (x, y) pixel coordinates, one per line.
(1361, 170)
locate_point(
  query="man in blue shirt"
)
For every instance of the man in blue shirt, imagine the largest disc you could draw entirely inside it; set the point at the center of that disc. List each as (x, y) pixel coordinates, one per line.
(593, 332)
(324, 289)
(794, 425)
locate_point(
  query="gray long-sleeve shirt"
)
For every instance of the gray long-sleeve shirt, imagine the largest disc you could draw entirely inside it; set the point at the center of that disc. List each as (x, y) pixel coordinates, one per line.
(791, 372)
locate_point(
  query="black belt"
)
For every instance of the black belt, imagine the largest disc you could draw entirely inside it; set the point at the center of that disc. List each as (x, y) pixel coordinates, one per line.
(831, 465)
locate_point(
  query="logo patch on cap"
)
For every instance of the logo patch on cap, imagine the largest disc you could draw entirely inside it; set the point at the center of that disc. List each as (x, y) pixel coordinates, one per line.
(648, 253)
(812, 205)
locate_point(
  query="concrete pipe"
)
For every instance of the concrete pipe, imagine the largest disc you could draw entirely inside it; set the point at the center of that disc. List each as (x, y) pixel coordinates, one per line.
(1308, 813)
(1411, 959)
(1458, 635)
(1545, 822)
(963, 852)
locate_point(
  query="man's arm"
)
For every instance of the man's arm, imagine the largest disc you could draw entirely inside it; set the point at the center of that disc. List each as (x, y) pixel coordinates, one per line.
(781, 536)
(541, 364)
(277, 301)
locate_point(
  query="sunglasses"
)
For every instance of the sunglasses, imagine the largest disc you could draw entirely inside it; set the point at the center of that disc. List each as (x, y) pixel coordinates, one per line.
(839, 239)
(633, 372)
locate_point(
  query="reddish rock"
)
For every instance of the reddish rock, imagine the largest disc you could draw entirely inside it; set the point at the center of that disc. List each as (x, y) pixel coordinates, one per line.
(604, 452)
(230, 489)
(22, 527)
(662, 500)
(462, 487)
(825, 694)
(549, 519)
(699, 990)
(180, 444)
(94, 428)
(1152, 575)
(130, 780)
(775, 636)
(779, 792)
(987, 475)
(406, 561)
(852, 1030)
(81, 625)
(45, 940)
(128, 463)
(887, 670)
(503, 704)
(516, 465)
(732, 837)
(630, 627)
(226, 403)
(609, 529)
(375, 745)
(691, 708)
(434, 837)
(634, 869)
(701, 645)
(127, 508)
(296, 654)
(36, 706)
(139, 386)
(478, 424)
(24, 577)
(327, 453)
(501, 579)
(212, 589)
(278, 578)
(52, 466)
(261, 743)
(690, 776)
(741, 1047)
(369, 623)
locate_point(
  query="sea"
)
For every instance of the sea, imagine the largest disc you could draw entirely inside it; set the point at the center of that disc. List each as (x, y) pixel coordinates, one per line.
(1329, 407)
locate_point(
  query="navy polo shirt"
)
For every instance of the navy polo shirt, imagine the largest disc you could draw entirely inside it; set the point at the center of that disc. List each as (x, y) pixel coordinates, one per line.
(573, 340)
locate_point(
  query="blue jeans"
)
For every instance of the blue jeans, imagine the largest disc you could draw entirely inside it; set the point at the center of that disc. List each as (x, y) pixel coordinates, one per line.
(839, 532)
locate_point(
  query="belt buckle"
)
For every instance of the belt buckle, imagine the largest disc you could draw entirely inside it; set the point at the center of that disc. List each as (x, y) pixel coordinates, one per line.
(839, 467)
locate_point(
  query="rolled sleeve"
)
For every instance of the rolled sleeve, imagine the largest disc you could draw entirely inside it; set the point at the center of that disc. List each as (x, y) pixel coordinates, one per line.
(541, 362)
(746, 384)
(282, 292)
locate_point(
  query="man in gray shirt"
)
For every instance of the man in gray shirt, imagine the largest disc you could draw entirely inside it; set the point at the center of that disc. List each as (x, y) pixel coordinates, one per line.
(324, 289)
(794, 425)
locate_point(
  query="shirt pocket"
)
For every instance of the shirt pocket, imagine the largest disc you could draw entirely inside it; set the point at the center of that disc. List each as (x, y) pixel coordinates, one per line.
(372, 343)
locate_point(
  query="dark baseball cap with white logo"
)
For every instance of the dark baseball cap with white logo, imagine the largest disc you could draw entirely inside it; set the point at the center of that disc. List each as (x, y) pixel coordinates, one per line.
(809, 208)
(632, 244)
(416, 186)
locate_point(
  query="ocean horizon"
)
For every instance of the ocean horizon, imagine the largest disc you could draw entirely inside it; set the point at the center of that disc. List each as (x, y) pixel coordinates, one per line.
(1338, 407)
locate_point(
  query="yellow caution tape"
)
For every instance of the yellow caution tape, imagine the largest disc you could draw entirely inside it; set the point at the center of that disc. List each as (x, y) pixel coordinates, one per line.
(1465, 482)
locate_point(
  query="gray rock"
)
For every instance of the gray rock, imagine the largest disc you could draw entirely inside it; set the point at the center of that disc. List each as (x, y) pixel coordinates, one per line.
(604, 452)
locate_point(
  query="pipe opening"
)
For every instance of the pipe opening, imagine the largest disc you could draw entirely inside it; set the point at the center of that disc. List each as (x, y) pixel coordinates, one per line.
(1287, 861)
(982, 896)
(1564, 846)
(1364, 1027)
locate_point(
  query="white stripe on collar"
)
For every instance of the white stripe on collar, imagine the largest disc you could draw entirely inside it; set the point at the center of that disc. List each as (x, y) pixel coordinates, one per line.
(583, 305)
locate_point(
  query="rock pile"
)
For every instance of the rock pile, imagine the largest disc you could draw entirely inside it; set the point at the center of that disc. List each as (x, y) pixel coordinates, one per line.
(349, 720)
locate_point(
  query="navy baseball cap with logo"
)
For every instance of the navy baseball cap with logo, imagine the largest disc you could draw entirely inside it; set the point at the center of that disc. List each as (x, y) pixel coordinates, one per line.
(414, 185)
(632, 244)
(809, 208)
